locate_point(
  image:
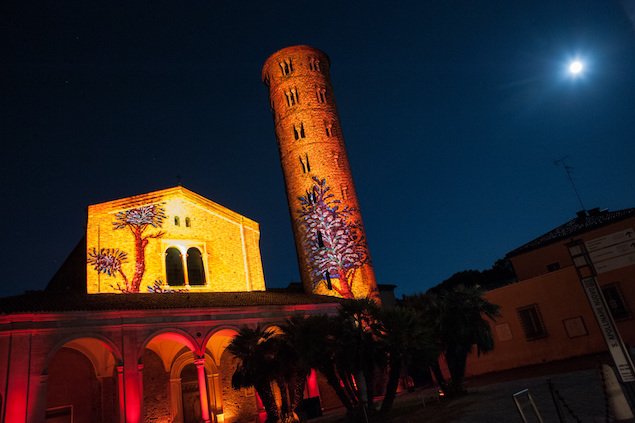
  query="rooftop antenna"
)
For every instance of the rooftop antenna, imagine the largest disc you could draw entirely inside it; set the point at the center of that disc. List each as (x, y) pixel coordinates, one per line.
(567, 170)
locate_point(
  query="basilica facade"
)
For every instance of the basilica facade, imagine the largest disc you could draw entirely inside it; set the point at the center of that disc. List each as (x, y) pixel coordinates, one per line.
(169, 278)
(135, 324)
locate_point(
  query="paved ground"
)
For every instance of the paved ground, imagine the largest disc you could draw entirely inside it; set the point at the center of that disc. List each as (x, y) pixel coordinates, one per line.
(581, 390)
(490, 398)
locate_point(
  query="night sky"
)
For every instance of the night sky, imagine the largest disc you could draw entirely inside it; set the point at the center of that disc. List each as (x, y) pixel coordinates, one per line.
(453, 113)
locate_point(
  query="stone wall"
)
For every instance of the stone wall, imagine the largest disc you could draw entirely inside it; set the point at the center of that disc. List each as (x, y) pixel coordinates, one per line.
(156, 405)
(238, 405)
(72, 382)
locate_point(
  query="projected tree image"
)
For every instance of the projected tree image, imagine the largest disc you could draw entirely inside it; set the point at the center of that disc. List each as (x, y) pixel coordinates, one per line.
(334, 244)
(109, 260)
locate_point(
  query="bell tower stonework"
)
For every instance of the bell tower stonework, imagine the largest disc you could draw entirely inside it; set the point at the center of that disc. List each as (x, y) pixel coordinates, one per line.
(327, 223)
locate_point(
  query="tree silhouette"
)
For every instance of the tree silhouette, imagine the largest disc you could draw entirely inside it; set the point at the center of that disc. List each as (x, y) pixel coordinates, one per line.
(334, 244)
(255, 350)
(110, 260)
(458, 318)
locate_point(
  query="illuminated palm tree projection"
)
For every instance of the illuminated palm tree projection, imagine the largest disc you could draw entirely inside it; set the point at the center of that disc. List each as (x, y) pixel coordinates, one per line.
(334, 244)
(109, 260)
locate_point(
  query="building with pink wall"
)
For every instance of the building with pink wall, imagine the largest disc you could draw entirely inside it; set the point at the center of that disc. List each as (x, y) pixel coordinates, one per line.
(546, 316)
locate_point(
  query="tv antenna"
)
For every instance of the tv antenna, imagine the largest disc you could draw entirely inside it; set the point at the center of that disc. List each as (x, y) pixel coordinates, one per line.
(568, 169)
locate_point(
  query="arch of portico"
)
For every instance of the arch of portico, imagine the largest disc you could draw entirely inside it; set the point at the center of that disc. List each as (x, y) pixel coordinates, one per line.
(114, 350)
(80, 379)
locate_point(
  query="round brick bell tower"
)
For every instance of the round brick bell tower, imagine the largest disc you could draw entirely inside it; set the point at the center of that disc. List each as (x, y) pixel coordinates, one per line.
(327, 223)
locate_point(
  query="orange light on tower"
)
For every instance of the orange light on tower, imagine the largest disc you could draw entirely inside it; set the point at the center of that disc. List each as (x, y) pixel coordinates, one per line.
(327, 223)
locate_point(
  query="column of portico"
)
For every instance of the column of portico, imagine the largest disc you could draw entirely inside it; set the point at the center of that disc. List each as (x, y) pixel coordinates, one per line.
(140, 376)
(176, 400)
(18, 378)
(202, 388)
(121, 394)
(132, 378)
(217, 390)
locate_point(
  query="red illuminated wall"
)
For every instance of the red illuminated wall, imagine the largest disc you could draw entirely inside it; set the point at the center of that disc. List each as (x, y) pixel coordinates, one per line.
(72, 382)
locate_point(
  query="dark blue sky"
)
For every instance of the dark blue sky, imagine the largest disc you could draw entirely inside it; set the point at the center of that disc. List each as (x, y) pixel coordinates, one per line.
(453, 114)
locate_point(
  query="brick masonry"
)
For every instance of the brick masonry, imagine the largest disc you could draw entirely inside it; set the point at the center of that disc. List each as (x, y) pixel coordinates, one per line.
(308, 129)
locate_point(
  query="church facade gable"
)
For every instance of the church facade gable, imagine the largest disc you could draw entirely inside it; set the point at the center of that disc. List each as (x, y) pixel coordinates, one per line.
(171, 241)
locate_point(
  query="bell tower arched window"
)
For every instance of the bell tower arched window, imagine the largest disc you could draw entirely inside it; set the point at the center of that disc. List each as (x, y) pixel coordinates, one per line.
(195, 268)
(174, 267)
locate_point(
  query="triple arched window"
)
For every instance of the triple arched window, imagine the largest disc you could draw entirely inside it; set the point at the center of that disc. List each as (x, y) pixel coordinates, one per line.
(188, 270)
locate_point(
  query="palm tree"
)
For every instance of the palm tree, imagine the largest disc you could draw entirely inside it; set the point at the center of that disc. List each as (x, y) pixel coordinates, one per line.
(356, 331)
(255, 351)
(303, 338)
(406, 341)
(457, 316)
(343, 348)
(290, 372)
(318, 341)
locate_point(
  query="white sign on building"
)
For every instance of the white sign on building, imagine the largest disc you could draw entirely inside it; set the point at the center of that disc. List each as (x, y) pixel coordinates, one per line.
(613, 251)
(611, 336)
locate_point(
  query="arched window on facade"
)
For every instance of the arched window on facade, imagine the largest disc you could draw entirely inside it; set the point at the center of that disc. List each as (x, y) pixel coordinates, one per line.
(174, 267)
(195, 269)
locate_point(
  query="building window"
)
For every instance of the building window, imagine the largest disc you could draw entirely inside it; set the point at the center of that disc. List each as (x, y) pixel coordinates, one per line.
(314, 64)
(188, 222)
(336, 159)
(298, 131)
(286, 66)
(306, 166)
(344, 192)
(532, 323)
(552, 267)
(174, 267)
(292, 97)
(329, 129)
(195, 269)
(615, 301)
(321, 95)
(177, 221)
(188, 271)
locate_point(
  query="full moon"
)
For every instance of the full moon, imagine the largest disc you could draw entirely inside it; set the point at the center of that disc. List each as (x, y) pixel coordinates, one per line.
(576, 67)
